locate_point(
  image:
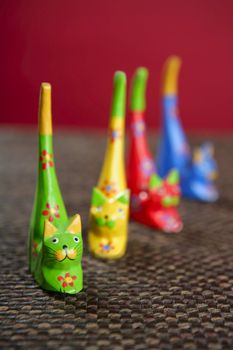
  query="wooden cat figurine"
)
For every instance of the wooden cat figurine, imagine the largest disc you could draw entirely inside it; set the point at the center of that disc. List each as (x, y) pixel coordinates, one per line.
(197, 172)
(154, 200)
(58, 265)
(156, 206)
(109, 211)
(55, 242)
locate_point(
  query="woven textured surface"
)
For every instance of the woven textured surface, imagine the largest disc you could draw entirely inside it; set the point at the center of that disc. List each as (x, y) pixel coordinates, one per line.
(168, 292)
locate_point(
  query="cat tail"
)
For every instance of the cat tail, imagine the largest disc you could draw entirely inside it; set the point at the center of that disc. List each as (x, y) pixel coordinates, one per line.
(45, 110)
(113, 170)
(173, 150)
(140, 164)
(48, 202)
(170, 75)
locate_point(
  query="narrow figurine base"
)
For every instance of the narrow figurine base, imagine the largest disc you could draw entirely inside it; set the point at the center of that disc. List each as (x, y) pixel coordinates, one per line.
(163, 221)
(61, 281)
(198, 191)
(66, 290)
(107, 257)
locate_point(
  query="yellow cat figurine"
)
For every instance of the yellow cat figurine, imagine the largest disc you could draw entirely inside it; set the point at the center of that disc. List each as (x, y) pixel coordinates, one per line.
(109, 211)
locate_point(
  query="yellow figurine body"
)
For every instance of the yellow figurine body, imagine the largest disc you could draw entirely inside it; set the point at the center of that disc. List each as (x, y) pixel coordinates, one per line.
(109, 211)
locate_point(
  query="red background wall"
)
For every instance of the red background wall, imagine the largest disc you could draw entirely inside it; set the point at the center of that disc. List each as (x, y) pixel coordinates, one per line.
(77, 45)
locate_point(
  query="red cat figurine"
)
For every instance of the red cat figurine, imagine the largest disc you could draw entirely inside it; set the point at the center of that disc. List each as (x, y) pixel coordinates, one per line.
(153, 200)
(156, 206)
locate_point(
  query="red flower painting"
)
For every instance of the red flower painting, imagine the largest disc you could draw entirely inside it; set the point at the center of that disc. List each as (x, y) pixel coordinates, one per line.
(46, 160)
(67, 280)
(51, 212)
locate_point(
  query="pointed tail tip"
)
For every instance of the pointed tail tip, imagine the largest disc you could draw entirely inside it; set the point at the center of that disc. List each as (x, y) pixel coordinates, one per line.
(119, 78)
(46, 86)
(138, 90)
(142, 73)
(172, 64)
(45, 109)
(174, 60)
(119, 94)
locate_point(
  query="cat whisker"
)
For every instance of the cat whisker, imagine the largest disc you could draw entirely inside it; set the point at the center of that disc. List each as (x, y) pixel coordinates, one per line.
(48, 260)
(53, 250)
(51, 254)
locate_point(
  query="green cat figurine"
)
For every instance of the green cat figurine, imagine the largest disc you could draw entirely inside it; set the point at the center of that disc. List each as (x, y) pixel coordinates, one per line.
(55, 242)
(58, 266)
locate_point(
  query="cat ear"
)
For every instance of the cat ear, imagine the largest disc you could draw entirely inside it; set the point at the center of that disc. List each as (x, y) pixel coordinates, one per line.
(155, 182)
(124, 197)
(49, 229)
(197, 155)
(173, 177)
(75, 224)
(98, 198)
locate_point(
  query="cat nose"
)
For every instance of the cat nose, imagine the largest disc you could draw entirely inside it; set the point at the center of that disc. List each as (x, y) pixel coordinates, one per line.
(64, 247)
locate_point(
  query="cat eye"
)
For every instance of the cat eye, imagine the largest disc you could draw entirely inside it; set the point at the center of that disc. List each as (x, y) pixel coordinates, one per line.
(76, 239)
(98, 208)
(55, 240)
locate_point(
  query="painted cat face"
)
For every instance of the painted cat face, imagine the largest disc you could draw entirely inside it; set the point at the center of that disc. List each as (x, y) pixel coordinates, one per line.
(109, 213)
(156, 207)
(162, 193)
(204, 164)
(167, 191)
(63, 245)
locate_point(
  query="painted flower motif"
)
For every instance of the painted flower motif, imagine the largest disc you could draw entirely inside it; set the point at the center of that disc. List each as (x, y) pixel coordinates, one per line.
(138, 128)
(147, 167)
(107, 247)
(170, 223)
(109, 188)
(67, 280)
(115, 134)
(51, 212)
(34, 248)
(46, 160)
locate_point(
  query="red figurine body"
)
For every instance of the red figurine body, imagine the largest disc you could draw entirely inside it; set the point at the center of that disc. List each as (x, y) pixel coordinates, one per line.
(153, 200)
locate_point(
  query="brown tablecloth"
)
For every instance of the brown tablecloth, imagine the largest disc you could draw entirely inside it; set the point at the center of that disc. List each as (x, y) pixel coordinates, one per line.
(168, 292)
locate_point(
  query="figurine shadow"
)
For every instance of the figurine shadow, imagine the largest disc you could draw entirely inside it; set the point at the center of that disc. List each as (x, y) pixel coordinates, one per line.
(224, 202)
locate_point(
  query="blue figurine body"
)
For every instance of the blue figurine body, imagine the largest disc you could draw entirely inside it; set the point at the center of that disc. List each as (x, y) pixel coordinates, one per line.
(197, 172)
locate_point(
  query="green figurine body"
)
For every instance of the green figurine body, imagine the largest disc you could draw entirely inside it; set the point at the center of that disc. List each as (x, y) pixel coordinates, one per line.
(55, 242)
